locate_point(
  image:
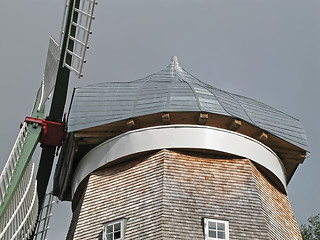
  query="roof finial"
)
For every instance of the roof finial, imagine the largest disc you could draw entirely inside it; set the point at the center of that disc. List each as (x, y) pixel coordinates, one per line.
(174, 60)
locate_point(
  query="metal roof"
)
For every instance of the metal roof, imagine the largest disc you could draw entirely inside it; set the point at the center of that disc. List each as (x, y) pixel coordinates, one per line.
(175, 90)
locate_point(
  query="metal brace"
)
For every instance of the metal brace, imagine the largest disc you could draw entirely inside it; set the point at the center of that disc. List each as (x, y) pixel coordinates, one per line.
(53, 133)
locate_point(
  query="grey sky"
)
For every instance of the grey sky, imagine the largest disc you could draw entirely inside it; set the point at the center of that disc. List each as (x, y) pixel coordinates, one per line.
(267, 50)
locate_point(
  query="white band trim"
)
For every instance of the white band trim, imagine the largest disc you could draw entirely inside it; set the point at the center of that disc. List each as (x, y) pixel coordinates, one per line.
(178, 137)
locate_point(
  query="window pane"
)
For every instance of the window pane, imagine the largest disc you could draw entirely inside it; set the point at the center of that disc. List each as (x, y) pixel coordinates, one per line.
(221, 235)
(212, 225)
(221, 227)
(212, 234)
(110, 236)
(117, 227)
(117, 235)
(110, 229)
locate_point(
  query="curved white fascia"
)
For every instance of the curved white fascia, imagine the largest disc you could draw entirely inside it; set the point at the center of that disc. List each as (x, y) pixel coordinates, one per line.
(178, 136)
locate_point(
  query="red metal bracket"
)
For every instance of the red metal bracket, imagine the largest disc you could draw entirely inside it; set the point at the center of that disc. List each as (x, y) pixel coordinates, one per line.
(53, 133)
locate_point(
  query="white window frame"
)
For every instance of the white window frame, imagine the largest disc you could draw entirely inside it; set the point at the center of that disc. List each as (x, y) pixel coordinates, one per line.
(113, 223)
(206, 229)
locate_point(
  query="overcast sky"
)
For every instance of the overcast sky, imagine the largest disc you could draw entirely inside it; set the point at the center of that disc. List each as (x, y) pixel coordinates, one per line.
(267, 50)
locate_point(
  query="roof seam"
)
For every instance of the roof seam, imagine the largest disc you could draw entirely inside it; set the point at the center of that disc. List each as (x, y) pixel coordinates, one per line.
(176, 65)
(210, 90)
(243, 109)
(133, 112)
(170, 88)
(261, 103)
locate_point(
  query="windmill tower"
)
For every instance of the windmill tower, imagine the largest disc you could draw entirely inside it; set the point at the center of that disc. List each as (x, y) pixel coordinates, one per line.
(170, 157)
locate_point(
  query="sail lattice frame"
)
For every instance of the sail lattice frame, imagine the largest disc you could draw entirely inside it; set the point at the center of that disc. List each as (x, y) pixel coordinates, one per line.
(78, 35)
(20, 215)
(44, 218)
(18, 187)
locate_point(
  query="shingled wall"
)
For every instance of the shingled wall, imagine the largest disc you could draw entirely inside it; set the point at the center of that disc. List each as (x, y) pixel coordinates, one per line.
(165, 195)
(281, 223)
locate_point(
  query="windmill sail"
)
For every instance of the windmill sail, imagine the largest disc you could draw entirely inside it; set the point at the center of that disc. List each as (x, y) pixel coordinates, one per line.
(50, 72)
(44, 218)
(18, 198)
(77, 40)
(74, 42)
(21, 196)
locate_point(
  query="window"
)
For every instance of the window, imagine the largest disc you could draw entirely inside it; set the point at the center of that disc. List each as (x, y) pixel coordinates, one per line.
(216, 229)
(114, 230)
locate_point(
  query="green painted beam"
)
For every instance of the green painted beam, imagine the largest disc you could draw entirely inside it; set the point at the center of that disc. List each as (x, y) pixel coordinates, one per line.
(57, 106)
(62, 80)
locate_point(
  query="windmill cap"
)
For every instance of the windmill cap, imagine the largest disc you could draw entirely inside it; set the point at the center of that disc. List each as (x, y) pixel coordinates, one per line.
(173, 89)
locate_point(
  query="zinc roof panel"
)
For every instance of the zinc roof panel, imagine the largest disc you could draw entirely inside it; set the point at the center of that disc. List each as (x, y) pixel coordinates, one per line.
(177, 108)
(96, 119)
(149, 101)
(103, 105)
(99, 111)
(280, 127)
(274, 120)
(182, 98)
(147, 111)
(262, 110)
(150, 105)
(183, 103)
(102, 99)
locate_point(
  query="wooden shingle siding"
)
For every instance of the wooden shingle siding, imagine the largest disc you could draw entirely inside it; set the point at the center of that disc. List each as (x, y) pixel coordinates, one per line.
(197, 186)
(165, 195)
(280, 220)
(132, 190)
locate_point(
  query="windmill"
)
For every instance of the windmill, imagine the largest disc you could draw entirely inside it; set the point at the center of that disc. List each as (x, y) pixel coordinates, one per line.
(164, 119)
(21, 193)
